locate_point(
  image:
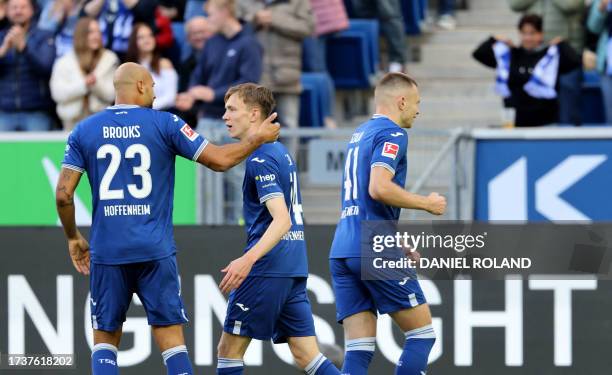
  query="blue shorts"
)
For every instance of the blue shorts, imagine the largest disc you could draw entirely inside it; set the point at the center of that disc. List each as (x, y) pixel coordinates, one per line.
(156, 283)
(354, 295)
(267, 308)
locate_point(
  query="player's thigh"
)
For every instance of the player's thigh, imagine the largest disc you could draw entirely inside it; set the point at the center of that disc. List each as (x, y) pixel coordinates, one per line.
(394, 295)
(413, 318)
(111, 289)
(352, 296)
(232, 346)
(159, 290)
(303, 349)
(360, 325)
(295, 319)
(255, 306)
(167, 337)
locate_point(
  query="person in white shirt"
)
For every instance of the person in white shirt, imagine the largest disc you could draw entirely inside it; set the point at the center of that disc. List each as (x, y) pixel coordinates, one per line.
(82, 80)
(142, 49)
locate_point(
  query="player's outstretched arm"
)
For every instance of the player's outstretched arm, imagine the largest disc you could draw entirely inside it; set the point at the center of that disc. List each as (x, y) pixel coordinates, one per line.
(383, 189)
(222, 158)
(239, 269)
(64, 201)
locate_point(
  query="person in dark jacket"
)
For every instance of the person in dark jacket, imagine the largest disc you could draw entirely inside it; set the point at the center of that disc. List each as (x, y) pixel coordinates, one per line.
(26, 59)
(231, 57)
(528, 75)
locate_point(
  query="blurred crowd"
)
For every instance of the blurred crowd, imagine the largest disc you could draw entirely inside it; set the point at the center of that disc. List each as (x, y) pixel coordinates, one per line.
(57, 57)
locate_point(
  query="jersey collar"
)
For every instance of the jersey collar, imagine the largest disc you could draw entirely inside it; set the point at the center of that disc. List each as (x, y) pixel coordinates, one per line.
(123, 106)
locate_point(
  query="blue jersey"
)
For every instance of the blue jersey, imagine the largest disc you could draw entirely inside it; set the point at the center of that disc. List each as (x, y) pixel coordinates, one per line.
(271, 172)
(128, 153)
(377, 143)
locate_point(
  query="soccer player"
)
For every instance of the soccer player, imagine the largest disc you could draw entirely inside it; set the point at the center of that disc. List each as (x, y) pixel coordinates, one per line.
(268, 298)
(374, 176)
(128, 152)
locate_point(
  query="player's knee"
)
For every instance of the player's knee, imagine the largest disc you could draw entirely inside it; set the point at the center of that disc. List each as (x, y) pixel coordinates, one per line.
(226, 349)
(303, 354)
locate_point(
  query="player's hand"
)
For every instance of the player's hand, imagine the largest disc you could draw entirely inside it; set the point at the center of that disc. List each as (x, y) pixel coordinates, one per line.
(412, 254)
(603, 5)
(437, 204)
(236, 272)
(79, 253)
(266, 132)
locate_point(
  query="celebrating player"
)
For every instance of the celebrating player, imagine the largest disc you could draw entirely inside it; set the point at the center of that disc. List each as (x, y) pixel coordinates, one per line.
(374, 176)
(268, 282)
(128, 152)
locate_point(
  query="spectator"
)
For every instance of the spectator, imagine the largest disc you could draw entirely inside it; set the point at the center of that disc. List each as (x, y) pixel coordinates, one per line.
(600, 22)
(446, 14)
(82, 79)
(116, 18)
(281, 28)
(528, 75)
(26, 59)
(143, 49)
(231, 57)
(565, 19)
(60, 17)
(389, 15)
(198, 30)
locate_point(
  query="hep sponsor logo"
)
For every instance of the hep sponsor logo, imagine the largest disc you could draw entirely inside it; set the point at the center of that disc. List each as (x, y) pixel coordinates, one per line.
(390, 150)
(189, 133)
(265, 178)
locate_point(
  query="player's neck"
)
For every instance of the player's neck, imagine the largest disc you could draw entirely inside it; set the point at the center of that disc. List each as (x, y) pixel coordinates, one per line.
(382, 112)
(126, 101)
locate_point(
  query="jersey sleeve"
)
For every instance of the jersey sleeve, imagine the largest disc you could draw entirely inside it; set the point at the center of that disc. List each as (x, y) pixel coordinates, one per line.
(73, 154)
(264, 172)
(389, 148)
(185, 141)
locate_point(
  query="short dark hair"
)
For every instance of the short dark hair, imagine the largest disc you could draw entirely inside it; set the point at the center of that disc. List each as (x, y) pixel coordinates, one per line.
(254, 95)
(531, 19)
(396, 79)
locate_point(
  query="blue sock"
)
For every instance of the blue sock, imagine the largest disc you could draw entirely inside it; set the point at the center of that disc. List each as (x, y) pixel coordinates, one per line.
(177, 361)
(416, 351)
(229, 366)
(359, 353)
(104, 360)
(320, 365)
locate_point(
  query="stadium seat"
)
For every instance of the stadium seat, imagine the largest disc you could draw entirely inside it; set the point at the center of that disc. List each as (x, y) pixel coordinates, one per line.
(352, 55)
(592, 100)
(348, 61)
(370, 28)
(314, 98)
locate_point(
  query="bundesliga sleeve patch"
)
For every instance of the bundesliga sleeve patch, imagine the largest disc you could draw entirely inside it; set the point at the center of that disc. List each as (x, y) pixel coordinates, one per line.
(390, 150)
(189, 133)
